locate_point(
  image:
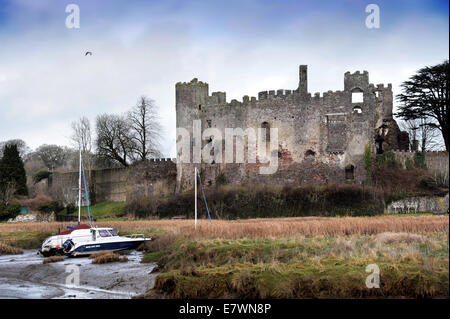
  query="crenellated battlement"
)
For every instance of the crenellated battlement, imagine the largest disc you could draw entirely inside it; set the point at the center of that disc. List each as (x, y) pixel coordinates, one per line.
(381, 87)
(280, 94)
(431, 153)
(357, 81)
(348, 73)
(164, 159)
(193, 83)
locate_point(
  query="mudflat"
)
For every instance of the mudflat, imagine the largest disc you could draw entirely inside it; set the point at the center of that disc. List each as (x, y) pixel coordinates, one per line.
(24, 276)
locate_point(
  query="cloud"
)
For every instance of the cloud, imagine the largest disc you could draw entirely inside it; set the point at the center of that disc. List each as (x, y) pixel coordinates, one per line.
(144, 47)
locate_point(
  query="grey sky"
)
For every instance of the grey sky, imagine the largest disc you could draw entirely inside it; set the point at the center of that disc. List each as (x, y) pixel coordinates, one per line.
(241, 47)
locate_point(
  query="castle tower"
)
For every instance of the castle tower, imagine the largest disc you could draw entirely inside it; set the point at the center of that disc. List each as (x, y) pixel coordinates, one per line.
(303, 80)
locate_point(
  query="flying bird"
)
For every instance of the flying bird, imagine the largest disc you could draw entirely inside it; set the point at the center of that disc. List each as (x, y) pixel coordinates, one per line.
(88, 52)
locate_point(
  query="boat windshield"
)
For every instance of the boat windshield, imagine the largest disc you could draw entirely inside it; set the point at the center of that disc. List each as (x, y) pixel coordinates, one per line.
(113, 233)
(104, 233)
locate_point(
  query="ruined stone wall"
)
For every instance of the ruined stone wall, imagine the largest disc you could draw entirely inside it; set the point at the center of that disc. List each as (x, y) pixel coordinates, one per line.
(320, 137)
(155, 177)
(434, 161)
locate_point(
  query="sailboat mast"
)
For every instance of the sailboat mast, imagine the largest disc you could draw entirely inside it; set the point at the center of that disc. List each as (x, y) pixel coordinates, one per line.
(79, 192)
(195, 198)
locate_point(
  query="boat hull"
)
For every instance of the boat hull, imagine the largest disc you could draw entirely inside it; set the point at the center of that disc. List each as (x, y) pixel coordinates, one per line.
(92, 248)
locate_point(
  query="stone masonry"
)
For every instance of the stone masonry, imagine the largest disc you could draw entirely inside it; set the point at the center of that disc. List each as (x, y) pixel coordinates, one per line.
(154, 177)
(321, 137)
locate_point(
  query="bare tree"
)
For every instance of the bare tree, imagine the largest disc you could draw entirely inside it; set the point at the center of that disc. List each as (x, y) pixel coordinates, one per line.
(411, 127)
(146, 130)
(114, 138)
(424, 133)
(53, 156)
(430, 137)
(82, 136)
(82, 139)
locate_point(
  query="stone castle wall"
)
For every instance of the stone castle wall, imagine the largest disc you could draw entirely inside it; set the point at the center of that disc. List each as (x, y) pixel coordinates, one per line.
(118, 184)
(434, 161)
(321, 138)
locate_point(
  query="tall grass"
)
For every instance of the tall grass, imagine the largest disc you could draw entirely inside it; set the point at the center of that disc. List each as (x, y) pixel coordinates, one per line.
(261, 228)
(9, 250)
(105, 257)
(319, 266)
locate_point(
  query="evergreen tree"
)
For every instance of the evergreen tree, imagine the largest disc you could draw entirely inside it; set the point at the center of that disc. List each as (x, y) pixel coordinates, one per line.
(425, 96)
(12, 171)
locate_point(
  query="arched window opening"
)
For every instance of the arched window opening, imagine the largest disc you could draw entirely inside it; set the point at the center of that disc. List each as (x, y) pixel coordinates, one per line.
(357, 110)
(266, 126)
(310, 154)
(350, 172)
(199, 107)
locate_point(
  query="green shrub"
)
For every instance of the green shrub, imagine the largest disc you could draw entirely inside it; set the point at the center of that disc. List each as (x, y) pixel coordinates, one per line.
(409, 164)
(368, 163)
(428, 184)
(387, 159)
(53, 206)
(10, 211)
(221, 179)
(255, 202)
(140, 208)
(419, 160)
(70, 208)
(92, 195)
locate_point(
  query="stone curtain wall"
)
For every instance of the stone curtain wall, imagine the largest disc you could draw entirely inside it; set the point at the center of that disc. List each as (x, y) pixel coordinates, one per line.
(319, 136)
(151, 178)
(435, 161)
(155, 177)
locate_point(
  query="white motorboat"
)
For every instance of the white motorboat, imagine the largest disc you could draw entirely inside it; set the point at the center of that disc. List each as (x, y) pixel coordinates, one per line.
(95, 239)
(87, 239)
(53, 245)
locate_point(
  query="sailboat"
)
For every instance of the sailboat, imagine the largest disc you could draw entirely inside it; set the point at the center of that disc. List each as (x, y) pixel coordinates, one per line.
(86, 239)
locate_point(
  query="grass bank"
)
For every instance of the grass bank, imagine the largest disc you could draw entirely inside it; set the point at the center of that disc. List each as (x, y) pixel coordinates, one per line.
(303, 258)
(24, 239)
(325, 278)
(101, 210)
(411, 265)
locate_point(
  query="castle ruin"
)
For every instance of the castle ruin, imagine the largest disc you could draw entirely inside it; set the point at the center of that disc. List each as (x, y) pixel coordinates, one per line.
(321, 139)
